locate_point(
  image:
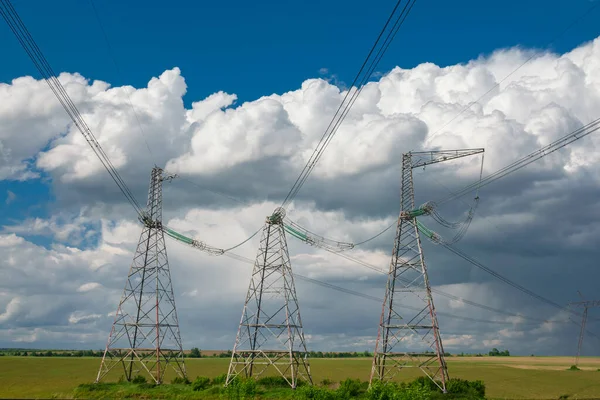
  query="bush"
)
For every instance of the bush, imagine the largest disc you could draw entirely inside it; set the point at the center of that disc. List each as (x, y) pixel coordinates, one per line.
(240, 389)
(326, 382)
(390, 391)
(413, 392)
(180, 381)
(465, 389)
(349, 388)
(273, 382)
(426, 382)
(380, 391)
(200, 383)
(219, 380)
(314, 393)
(574, 368)
(139, 379)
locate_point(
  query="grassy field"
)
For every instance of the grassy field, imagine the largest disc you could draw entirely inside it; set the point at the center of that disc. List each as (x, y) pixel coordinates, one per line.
(505, 377)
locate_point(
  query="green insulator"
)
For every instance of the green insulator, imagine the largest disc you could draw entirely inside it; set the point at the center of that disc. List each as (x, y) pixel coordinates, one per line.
(295, 233)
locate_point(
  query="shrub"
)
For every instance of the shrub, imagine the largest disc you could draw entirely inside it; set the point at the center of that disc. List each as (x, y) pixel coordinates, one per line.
(326, 382)
(574, 368)
(180, 381)
(460, 388)
(380, 391)
(219, 380)
(200, 383)
(349, 388)
(240, 389)
(273, 381)
(426, 382)
(139, 379)
(563, 396)
(413, 392)
(314, 393)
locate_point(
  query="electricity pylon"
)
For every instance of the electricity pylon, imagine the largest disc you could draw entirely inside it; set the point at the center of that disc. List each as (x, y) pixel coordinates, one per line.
(407, 338)
(144, 338)
(586, 304)
(270, 338)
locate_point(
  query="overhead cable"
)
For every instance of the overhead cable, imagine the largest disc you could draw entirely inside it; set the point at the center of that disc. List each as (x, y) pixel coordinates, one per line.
(35, 54)
(380, 300)
(528, 159)
(375, 55)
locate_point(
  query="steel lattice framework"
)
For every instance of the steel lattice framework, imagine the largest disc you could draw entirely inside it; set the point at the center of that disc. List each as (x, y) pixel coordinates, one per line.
(270, 337)
(410, 338)
(586, 304)
(145, 338)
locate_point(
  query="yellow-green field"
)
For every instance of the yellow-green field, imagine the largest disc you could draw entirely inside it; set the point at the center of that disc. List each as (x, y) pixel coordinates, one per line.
(505, 377)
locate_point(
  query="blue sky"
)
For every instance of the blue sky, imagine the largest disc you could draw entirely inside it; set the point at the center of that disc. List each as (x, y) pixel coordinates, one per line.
(255, 49)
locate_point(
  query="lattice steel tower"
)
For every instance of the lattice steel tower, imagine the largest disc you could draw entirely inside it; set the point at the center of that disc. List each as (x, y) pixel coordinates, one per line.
(145, 334)
(586, 304)
(270, 339)
(409, 338)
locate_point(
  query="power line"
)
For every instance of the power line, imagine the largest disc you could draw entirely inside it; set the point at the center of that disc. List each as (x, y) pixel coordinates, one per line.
(437, 291)
(528, 159)
(496, 275)
(514, 166)
(33, 51)
(352, 95)
(380, 300)
(29, 45)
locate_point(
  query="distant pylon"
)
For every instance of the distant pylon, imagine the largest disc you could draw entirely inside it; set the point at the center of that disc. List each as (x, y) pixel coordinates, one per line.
(406, 338)
(270, 339)
(586, 304)
(144, 338)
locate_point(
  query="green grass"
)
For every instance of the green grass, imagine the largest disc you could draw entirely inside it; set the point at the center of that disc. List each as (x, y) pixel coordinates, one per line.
(39, 377)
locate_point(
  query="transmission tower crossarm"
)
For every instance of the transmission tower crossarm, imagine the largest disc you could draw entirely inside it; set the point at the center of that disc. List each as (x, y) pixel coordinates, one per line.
(423, 158)
(587, 303)
(313, 239)
(197, 244)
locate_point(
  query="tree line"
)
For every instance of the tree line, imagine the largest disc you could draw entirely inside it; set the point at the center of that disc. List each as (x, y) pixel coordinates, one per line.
(195, 352)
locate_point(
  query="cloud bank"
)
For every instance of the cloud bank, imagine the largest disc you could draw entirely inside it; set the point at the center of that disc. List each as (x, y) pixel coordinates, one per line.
(538, 227)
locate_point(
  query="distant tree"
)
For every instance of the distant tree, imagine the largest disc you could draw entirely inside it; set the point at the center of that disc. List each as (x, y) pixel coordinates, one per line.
(497, 353)
(195, 353)
(48, 354)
